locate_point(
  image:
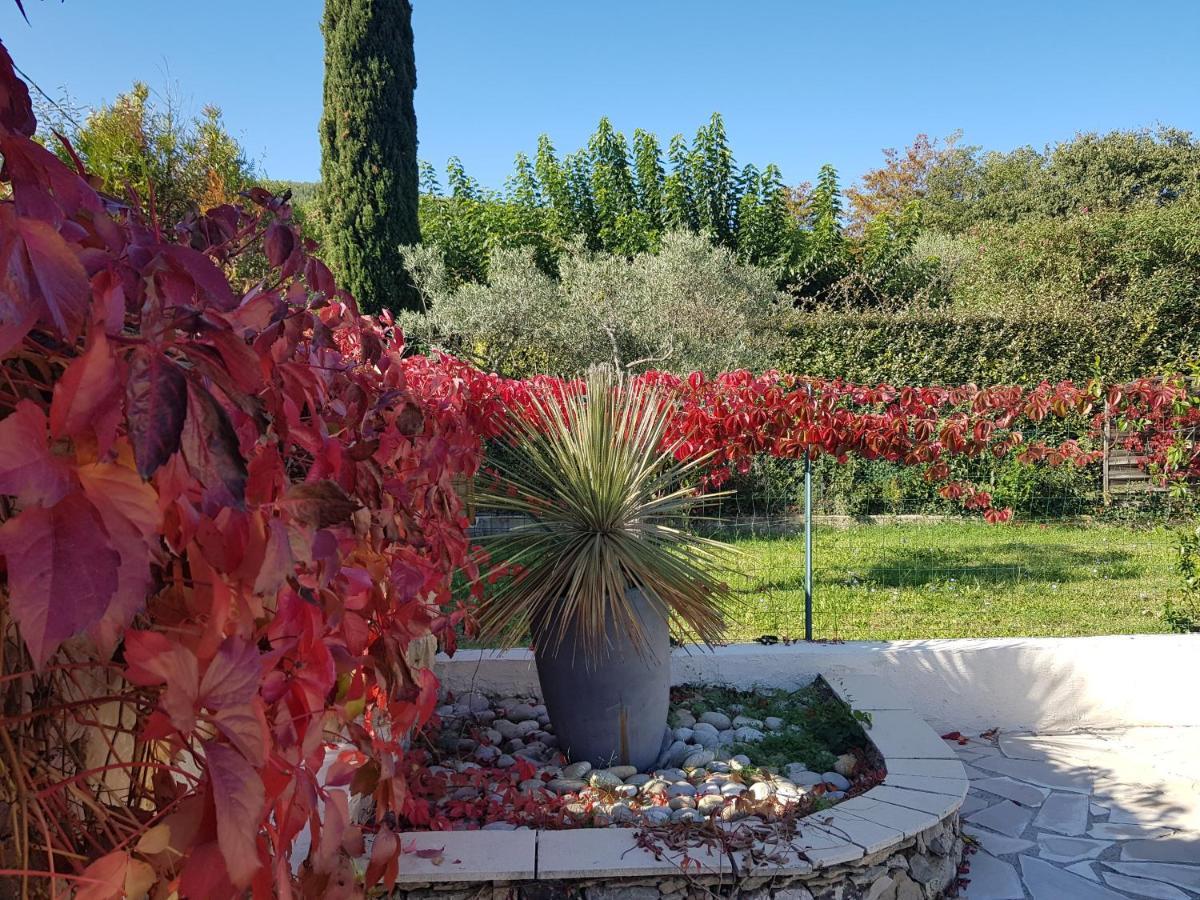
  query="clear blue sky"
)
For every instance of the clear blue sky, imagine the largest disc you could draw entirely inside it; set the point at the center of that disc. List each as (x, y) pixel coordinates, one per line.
(799, 83)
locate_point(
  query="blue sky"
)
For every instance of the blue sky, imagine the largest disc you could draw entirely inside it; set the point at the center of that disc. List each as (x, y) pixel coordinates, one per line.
(799, 83)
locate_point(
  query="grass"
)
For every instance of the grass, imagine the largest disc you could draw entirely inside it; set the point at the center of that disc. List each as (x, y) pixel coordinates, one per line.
(958, 579)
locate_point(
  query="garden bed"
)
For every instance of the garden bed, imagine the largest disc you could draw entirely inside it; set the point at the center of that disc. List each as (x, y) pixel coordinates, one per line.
(764, 757)
(892, 838)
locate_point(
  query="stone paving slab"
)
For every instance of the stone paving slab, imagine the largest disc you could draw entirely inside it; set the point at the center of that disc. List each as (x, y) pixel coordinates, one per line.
(1120, 815)
(950, 787)
(932, 768)
(1045, 881)
(1011, 789)
(867, 692)
(468, 856)
(582, 853)
(993, 879)
(1140, 887)
(1169, 873)
(904, 819)
(901, 735)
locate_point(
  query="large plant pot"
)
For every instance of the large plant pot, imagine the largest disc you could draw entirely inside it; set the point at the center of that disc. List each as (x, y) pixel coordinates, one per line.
(611, 709)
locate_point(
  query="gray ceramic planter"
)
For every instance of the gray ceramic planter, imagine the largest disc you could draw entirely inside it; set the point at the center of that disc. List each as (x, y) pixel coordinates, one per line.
(611, 710)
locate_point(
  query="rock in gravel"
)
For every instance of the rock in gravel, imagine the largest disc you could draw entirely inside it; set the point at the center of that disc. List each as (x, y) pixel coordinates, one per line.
(773, 723)
(720, 768)
(577, 811)
(686, 815)
(681, 789)
(746, 722)
(622, 772)
(654, 787)
(731, 812)
(474, 702)
(732, 790)
(761, 791)
(604, 780)
(790, 793)
(529, 785)
(705, 735)
(514, 745)
(672, 774)
(682, 802)
(492, 735)
(698, 760)
(682, 734)
(540, 710)
(628, 791)
(562, 786)
(526, 727)
(717, 720)
(798, 774)
(621, 813)
(676, 753)
(638, 779)
(504, 761)
(577, 770)
(445, 712)
(725, 738)
(657, 815)
(710, 804)
(748, 735)
(487, 755)
(839, 782)
(499, 826)
(521, 712)
(682, 718)
(739, 762)
(846, 764)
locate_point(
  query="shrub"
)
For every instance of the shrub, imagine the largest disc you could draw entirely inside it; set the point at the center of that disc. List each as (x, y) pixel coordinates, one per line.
(226, 514)
(690, 306)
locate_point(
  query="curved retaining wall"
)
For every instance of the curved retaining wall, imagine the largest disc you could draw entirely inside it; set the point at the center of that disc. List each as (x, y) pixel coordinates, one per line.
(898, 841)
(1016, 684)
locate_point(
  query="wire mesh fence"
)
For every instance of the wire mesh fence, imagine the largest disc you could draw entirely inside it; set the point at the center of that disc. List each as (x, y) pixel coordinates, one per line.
(894, 560)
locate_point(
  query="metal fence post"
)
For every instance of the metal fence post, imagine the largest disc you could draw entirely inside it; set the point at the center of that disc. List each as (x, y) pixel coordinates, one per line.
(808, 563)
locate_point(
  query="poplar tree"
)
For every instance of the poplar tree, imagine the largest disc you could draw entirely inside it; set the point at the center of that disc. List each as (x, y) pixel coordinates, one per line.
(369, 148)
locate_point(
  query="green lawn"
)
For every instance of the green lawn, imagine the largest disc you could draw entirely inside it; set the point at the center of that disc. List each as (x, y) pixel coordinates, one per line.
(958, 579)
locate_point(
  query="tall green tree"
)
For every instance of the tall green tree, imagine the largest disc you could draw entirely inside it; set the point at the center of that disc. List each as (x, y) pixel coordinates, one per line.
(369, 148)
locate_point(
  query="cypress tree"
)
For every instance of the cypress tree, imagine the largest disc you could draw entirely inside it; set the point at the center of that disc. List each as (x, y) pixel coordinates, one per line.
(369, 148)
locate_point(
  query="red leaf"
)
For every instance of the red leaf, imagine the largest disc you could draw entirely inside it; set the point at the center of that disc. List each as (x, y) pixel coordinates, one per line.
(279, 244)
(156, 407)
(88, 394)
(128, 507)
(16, 111)
(104, 879)
(320, 503)
(385, 862)
(210, 448)
(28, 470)
(278, 562)
(55, 279)
(62, 571)
(232, 676)
(152, 659)
(208, 284)
(246, 728)
(239, 798)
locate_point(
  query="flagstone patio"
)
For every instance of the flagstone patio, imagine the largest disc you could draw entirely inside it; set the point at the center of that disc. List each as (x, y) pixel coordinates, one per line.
(1090, 815)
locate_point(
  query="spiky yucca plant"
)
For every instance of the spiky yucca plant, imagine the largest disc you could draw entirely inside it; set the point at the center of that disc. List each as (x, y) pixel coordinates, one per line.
(604, 498)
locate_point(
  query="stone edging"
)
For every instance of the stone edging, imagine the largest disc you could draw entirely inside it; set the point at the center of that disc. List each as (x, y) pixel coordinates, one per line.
(908, 822)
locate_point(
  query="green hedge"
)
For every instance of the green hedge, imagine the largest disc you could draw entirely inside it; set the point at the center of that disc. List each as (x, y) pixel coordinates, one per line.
(953, 347)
